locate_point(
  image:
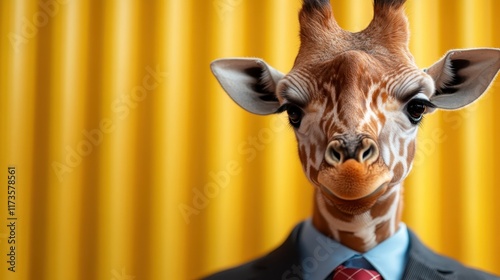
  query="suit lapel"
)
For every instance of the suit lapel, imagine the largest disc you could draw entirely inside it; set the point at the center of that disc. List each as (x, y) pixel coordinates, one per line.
(416, 269)
(425, 264)
(282, 263)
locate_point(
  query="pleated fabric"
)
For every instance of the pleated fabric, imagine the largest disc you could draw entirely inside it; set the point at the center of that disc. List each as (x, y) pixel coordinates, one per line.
(132, 163)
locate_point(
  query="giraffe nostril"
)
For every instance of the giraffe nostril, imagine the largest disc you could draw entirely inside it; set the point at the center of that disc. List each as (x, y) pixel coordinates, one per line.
(333, 154)
(339, 151)
(336, 154)
(369, 151)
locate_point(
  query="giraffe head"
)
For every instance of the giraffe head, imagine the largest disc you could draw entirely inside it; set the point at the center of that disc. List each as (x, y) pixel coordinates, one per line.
(355, 100)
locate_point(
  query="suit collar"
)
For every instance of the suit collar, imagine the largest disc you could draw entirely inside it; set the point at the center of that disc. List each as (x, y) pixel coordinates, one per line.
(422, 262)
(425, 264)
(322, 254)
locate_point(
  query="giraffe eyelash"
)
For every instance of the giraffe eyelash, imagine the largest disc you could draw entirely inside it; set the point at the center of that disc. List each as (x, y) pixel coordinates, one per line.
(416, 114)
(295, 114)
(426, 103)
(421, 123)
(282, 108)
(287, 106)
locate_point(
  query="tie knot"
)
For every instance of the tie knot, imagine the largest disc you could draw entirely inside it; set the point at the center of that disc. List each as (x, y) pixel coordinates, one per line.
(358, 261)
(348, 273)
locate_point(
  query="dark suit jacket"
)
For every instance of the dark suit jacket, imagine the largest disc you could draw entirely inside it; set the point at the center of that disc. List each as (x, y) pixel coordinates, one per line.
(283, 264)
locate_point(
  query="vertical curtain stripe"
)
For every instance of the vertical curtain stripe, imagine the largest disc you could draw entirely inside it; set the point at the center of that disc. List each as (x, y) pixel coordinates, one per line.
(132, 162)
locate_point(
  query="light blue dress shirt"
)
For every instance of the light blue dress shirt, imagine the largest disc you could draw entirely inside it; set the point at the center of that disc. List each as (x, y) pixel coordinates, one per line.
(320, 255)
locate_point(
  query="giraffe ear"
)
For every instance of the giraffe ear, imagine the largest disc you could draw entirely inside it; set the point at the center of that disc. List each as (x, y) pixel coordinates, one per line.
(462, 76)
(250, 82)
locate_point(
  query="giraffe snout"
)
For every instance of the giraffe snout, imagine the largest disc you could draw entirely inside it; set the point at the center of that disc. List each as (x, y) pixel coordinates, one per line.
(364, 150)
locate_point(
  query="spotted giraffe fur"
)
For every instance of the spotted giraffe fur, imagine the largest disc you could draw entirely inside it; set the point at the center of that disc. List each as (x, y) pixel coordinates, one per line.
(355, 101)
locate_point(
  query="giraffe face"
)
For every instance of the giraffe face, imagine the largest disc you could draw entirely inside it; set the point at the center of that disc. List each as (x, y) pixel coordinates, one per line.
(355, 118)
(355, 99)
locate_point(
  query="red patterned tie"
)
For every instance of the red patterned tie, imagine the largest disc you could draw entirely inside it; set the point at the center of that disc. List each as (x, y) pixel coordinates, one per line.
(347, 273)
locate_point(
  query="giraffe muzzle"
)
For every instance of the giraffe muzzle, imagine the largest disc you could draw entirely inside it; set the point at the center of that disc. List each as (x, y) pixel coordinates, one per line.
(353, 169)
(352, 180)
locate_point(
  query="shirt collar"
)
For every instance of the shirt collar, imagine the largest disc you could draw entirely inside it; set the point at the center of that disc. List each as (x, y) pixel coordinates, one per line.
(320, 255)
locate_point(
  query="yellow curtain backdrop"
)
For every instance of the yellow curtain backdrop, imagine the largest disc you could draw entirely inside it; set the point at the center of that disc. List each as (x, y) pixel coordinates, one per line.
(132, 163)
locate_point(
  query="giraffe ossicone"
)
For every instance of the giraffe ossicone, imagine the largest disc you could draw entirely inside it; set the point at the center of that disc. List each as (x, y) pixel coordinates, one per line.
(355, 101)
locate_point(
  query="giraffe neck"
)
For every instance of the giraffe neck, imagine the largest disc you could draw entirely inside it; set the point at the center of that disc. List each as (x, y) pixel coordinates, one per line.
(364, 231)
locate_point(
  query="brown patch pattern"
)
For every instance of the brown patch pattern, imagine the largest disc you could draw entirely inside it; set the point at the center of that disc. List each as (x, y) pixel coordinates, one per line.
(355, 242)
(338, 72)
(382, 207)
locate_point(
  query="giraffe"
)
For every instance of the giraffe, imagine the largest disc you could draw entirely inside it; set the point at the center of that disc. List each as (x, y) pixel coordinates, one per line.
(355, 102)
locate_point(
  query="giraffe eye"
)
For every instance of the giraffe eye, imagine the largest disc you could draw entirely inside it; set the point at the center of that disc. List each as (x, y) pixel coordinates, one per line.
(416, 109)
(294, 115)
